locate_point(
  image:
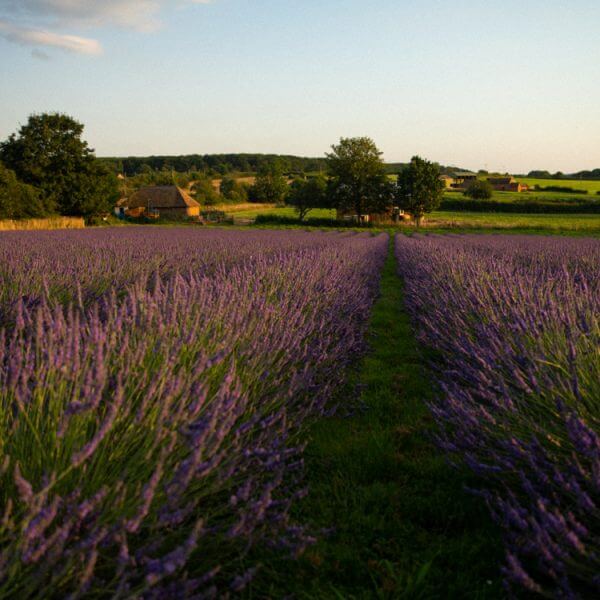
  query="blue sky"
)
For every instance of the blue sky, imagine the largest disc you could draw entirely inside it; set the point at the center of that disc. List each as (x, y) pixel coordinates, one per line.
(481, 84)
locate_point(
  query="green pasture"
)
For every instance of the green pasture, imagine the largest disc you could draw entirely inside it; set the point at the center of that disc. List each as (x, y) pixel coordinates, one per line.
(552, 223)
(532, 196)
(287, 211)
(592, 186)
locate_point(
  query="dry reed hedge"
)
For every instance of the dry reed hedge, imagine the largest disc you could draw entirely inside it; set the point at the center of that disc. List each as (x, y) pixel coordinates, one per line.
(51, 223)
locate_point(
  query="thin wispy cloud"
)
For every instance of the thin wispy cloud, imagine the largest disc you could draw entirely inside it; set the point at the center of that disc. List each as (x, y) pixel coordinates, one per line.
(41, 23)
(39, 37)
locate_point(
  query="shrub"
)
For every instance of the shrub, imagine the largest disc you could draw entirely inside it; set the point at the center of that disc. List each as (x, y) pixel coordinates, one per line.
(479, 190)
(560, 188)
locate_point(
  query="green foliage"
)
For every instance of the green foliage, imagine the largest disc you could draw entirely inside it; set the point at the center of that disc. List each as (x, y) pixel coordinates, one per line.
(560, 188)
(306, 194)
(419, 188)
(479, 190)
(270, 185)
(18, 200)
(205, 192)
(358, 180)
(218, 164)
(48, 153)
(233, 191)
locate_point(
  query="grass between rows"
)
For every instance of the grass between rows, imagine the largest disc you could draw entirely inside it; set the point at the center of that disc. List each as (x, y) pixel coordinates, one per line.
(402, 524)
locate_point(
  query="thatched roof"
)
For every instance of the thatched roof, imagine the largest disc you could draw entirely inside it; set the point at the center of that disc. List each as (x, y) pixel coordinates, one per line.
(161, 196)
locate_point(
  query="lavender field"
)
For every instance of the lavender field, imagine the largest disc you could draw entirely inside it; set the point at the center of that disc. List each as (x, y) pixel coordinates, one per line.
(158, 387)
(513, 332)
(155, 385)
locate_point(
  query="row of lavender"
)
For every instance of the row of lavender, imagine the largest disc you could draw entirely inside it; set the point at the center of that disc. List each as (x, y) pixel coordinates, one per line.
(514, 328)
(154, 387)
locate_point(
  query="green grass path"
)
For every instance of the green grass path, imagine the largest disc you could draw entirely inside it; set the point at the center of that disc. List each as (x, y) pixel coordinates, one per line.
(403, 526)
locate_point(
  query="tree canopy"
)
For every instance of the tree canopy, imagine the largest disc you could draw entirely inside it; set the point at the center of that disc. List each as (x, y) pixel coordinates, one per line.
(358, 180)
(18, 200)
(270, 185)
(307, 194)
(49, 153)
(232, 190)
(419, 189)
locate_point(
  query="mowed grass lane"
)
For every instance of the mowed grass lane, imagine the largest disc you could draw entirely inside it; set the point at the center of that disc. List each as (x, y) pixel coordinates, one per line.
(402, 525)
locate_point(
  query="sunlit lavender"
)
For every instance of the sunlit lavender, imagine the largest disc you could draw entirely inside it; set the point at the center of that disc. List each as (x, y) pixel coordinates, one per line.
(513, 328)
(155, 385)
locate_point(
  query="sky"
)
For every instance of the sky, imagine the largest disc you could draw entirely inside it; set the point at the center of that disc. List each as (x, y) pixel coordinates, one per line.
(501, 85)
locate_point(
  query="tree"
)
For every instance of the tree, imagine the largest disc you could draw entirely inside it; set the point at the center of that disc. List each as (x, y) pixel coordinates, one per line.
(419, 188)
(232, 190)
(205, 192)
(18, 200)
(479, 190)
(358, 180)
(270, 185)
(48, 153)
(306, 194)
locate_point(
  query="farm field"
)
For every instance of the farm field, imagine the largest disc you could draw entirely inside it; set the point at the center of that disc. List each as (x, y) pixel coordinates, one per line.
(532, 196)
(542, 223)
(178, 421)
(153, 417)
(592, 186)
(512, 322)
(286, 211)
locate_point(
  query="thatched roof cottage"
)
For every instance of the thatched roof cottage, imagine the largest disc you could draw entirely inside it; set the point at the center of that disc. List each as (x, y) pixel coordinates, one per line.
(164, 200)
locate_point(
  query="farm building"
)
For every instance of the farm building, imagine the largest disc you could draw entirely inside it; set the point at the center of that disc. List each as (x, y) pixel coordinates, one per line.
(163, 200)
(506, 184)
(462, 179)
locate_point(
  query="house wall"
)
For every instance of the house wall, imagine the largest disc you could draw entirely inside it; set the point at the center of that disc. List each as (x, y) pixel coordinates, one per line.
(186, 211)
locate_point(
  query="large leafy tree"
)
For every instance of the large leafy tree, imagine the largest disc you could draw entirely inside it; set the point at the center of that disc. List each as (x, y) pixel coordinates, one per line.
(419, 189)
(18, 200)
(49, 153)
(358, 181)
(270, 185)
(307, 194)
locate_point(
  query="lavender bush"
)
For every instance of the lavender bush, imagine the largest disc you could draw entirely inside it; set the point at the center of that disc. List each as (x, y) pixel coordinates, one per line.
(154, 388)
(513, 324)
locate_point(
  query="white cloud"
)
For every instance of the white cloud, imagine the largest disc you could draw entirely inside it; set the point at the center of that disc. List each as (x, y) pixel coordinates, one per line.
(40, 37)
(35, 22)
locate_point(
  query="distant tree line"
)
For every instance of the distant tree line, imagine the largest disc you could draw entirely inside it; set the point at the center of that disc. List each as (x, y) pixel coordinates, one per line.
(586, 174)
(213, 164)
